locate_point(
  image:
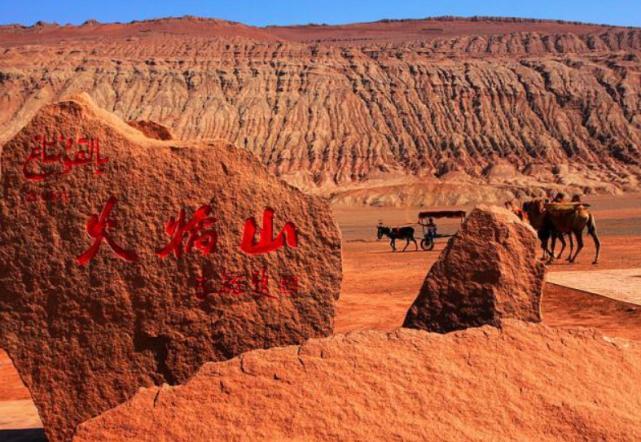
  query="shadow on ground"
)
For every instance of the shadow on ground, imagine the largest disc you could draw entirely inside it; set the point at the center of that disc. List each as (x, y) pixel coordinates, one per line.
(26, 435)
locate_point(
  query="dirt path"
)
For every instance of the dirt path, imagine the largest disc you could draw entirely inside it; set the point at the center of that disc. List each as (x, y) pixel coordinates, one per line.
(620, 284)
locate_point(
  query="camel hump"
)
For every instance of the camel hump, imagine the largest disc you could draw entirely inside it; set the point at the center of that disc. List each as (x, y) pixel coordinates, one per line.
(566, 207)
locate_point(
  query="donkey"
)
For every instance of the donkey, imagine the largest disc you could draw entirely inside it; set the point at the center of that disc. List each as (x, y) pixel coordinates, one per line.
(406, 233)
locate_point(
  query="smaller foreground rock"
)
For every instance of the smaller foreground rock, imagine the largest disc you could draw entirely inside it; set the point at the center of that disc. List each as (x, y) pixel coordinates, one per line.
(487, 272)
(521, 382)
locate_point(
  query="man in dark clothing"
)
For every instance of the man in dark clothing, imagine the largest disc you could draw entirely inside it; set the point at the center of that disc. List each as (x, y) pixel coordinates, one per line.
(431, 228)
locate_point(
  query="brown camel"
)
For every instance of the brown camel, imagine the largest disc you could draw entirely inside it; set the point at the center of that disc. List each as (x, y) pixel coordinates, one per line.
(534, 212)
(563, 218)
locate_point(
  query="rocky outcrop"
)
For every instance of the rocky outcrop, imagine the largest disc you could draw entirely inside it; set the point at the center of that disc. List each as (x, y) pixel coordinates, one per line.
(128, 262)
(151, 129)
(521, 382)
(329, 107)
(488, 272)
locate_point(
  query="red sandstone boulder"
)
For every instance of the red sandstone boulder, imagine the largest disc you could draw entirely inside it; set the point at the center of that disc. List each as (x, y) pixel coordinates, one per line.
(487, 272)
(129, 262)
(521, 382)
(151, 129)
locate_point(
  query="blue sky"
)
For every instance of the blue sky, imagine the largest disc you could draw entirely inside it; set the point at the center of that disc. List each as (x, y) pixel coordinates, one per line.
(260, 13)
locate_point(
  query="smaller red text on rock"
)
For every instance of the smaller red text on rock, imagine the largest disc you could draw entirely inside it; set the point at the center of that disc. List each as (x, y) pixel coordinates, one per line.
(55, 157)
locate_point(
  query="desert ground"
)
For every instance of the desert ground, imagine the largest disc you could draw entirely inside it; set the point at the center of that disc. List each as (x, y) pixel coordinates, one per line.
(379, 286)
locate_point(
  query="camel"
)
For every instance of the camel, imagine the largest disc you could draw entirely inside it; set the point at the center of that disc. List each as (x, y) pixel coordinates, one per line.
(544, 232)
(562, 218)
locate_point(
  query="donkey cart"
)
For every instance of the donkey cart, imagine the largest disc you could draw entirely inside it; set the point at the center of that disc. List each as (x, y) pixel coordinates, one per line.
(426, 221)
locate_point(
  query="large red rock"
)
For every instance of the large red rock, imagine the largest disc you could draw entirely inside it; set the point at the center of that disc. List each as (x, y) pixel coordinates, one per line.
(487, 272)
(86, 330)
(521, 382)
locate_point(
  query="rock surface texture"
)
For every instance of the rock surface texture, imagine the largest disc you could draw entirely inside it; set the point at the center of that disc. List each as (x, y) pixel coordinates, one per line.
(521, 382)
(134, 265)
(152, 129)
(488, 272)
(335, 109)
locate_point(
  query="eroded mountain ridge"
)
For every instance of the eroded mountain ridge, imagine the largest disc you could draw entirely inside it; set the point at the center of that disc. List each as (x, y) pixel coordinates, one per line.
(394, 112)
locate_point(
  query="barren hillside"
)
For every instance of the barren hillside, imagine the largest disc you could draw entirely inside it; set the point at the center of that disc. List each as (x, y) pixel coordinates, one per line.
(392, 112)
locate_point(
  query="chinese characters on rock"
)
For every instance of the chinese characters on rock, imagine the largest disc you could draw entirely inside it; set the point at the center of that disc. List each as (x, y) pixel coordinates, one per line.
(267, 243)
(96, 227)
(239, 284)
(61, 196)
(50, 158)
(198, 233)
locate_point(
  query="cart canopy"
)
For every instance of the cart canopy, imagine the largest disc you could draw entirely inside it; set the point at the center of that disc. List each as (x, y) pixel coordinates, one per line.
(441, 214)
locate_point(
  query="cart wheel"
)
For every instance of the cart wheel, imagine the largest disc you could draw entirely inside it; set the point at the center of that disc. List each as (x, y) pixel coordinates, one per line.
(427, 244)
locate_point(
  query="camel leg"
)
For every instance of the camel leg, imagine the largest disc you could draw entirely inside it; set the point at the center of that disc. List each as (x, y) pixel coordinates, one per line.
(579, 243)
(415, 244)
(562, 240)
(550, 251)
(393, 244)
(544, 245)
(547, 237)
(571, 246)
(546, 251)
(595, 236)
(407, 243)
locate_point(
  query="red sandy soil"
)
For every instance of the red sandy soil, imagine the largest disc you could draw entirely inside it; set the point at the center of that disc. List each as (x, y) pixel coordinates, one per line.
(379, 285)
(11, 387)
